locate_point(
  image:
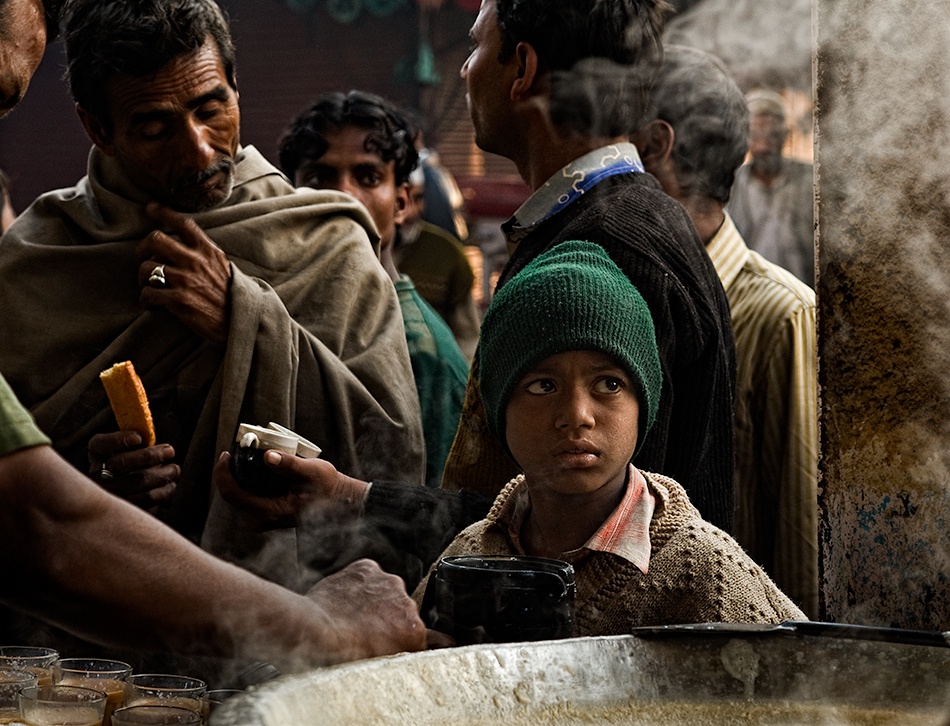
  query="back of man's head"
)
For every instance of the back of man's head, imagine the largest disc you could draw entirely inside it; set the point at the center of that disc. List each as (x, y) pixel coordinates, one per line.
(390, 132)
(601, 55)
(695, 94)
(105, 38)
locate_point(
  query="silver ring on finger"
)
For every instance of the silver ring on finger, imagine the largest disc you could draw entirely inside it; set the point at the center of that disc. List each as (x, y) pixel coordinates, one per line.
(157, 278)
(106, 475)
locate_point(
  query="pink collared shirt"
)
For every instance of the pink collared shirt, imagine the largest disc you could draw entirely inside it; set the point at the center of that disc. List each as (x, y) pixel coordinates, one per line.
(625, 533)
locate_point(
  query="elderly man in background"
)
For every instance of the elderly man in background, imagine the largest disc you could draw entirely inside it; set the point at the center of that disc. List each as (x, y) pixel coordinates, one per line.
(157, 591)
(193, 257)
(693, 142)
(773, 198)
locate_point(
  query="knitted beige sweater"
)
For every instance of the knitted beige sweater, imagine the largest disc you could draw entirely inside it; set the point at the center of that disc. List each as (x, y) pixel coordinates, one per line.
(697, 573)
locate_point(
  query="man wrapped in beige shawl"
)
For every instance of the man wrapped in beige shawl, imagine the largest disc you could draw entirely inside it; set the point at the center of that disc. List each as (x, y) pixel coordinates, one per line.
(315, 341)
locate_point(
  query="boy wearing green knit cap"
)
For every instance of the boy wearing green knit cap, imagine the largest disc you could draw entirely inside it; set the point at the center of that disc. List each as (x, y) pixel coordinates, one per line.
(571, 380)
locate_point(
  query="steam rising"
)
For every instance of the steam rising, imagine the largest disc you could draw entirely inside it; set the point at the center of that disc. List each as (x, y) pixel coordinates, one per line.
(884, 318)
(762, 42)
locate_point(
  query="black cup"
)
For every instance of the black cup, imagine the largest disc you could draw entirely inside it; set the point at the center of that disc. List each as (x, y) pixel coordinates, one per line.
(250, 471)
(247, 458)
(500, 599)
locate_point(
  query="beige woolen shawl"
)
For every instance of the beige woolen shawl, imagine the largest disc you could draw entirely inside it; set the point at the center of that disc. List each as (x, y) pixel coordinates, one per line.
(316, 338)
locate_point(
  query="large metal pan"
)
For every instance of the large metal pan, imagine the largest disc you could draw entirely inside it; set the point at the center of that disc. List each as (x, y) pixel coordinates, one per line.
(716, 674)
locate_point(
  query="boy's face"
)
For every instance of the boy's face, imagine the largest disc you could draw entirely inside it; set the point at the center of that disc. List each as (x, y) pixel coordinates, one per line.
(572, 423)
(348, 167)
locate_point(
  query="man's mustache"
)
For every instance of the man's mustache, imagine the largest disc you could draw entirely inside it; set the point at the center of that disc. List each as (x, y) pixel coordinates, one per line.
(224, 165)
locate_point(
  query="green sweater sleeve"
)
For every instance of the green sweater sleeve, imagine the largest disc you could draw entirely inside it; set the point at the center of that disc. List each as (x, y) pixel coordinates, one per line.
(18, 430)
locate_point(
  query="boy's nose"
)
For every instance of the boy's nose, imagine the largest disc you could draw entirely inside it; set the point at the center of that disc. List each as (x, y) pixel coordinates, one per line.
(347, 184)
(577, 411)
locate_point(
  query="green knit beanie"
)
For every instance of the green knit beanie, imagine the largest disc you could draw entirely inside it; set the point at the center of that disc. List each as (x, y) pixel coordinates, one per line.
(572, 297)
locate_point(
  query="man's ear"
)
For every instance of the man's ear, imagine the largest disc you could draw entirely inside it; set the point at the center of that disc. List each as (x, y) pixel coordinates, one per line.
(402, 203)
(526, 60)
(654, 142)
(95, 131)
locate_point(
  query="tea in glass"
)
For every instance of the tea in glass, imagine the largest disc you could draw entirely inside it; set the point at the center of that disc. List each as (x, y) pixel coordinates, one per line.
(62, 706)
(99, 674)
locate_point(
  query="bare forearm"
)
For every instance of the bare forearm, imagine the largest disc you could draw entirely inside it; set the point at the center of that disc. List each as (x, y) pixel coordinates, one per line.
(108, 571)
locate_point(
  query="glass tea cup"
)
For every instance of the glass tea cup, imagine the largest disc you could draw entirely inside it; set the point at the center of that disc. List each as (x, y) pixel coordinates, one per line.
(155, 715)
(11, 682)
(31, 659)
(164, 689)
(62, 706)
(100, 674)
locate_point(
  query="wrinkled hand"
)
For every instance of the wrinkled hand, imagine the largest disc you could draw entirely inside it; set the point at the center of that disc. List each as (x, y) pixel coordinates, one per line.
(197, 274)
(371, 612)
(313, 484)
(143, 475)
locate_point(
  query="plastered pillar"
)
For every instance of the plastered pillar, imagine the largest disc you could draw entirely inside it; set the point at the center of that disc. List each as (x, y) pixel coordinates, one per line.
(883, 166)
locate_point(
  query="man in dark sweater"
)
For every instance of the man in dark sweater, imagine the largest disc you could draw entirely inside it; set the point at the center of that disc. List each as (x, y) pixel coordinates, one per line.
(555, 88)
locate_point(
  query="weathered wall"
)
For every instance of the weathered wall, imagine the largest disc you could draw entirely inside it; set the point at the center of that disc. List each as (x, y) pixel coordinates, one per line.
(883, 164)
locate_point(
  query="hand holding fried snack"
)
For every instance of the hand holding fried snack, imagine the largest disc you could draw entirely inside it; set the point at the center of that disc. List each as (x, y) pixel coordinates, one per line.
(128, 463)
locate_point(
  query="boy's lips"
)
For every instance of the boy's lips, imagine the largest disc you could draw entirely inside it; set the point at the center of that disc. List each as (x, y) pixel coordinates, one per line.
(575, 446)
(576, 453)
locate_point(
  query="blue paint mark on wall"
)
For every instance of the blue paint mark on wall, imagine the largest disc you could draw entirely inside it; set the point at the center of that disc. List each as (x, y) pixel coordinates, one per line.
(867, 516)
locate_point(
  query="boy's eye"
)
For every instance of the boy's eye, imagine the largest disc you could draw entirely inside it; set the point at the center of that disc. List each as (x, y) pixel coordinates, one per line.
(541, 386)
(609, 385)
(316, 180)
(369, 179)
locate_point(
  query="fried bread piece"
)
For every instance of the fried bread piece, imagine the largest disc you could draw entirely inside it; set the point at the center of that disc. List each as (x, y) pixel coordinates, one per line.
(129, 402)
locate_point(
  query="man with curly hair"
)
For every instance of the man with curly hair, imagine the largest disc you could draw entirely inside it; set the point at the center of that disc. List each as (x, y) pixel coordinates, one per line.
(362, 144)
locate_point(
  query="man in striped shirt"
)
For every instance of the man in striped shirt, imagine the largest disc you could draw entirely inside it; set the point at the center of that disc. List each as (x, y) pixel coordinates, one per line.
(694, 140)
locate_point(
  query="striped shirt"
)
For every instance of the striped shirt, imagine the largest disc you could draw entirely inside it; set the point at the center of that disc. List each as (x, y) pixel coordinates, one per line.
(625, 533)
(776, 444)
